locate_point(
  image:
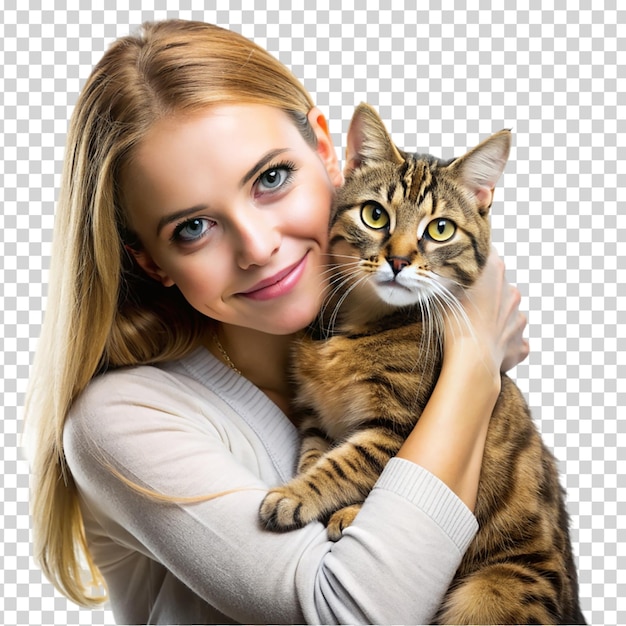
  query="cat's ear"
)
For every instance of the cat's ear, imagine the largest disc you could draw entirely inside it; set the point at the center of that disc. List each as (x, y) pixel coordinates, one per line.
(480, 168)
(368, 140)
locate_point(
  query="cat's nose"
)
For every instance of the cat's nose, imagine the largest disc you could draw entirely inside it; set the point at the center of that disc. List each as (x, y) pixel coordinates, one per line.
(398, 263)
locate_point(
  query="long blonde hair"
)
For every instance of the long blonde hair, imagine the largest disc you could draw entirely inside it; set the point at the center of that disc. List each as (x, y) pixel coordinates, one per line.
(102, 312)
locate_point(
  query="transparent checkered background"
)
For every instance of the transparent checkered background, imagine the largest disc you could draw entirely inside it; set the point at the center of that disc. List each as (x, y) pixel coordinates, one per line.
(552, 70)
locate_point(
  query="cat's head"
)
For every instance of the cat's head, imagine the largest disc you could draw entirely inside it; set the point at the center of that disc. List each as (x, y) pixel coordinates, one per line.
(407, 227)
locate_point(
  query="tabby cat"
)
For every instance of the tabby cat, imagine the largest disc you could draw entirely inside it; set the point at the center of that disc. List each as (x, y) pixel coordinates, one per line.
(365, 378)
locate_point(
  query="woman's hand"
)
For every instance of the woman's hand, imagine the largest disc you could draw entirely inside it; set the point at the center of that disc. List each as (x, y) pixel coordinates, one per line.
(497, 326)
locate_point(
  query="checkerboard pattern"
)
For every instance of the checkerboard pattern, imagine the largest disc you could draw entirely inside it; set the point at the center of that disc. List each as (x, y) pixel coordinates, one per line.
(443, 78)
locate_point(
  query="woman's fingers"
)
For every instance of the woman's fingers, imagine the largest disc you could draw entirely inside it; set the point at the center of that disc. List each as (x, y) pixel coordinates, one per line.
(497, 325)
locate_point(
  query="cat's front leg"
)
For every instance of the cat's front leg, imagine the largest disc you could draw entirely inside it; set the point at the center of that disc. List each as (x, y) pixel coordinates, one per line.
(310, 496)
(315, 442)
(342, 477)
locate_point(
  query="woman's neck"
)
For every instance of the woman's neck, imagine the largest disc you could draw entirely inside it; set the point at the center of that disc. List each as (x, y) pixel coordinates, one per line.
(262, 358)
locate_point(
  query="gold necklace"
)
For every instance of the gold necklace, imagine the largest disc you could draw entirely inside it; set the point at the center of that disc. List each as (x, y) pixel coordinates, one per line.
(223, 352)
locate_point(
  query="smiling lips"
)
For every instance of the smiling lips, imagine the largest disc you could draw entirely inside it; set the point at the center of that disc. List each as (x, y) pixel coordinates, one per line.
(278, 285)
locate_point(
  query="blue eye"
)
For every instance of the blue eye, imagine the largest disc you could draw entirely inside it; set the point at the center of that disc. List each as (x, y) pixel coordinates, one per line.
(191, 230)
(276, 177)
(273, 178)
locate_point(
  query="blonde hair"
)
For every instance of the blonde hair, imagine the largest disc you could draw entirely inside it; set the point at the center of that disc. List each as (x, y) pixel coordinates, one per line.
(102, 311)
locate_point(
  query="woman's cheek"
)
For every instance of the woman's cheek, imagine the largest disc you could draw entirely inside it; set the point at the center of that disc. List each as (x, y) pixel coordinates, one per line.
(314, 211)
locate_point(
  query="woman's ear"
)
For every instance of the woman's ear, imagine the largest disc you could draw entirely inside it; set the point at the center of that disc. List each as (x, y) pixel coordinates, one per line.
(325, 147)
(148, 265)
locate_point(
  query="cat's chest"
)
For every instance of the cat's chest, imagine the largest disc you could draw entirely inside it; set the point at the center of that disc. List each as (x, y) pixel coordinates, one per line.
(336, 375)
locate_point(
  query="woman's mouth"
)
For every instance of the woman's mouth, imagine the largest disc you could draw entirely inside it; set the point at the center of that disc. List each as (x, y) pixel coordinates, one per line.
(279, 284)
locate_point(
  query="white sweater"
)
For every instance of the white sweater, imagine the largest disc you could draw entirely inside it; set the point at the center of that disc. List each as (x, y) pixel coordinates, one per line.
(194, 427)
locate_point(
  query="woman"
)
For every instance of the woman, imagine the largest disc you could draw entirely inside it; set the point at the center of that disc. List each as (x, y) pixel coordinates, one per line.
(188, 252)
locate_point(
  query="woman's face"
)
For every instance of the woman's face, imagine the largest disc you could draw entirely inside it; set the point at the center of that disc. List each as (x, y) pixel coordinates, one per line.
(232, 206)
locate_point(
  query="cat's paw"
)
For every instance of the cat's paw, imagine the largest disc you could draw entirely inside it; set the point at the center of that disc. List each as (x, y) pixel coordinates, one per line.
(340, 520)
(281, 510)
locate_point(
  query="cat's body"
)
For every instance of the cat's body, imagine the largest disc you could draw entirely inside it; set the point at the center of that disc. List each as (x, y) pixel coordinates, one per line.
(407, 232)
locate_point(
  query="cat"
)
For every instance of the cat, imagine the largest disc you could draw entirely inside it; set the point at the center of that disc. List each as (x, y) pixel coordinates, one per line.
(407, 232)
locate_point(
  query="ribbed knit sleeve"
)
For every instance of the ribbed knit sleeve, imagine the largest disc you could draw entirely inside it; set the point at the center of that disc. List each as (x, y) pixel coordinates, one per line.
(433, 497)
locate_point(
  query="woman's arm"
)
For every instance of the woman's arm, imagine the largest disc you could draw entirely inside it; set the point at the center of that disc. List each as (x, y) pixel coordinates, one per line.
(174, 437)
(450, 436)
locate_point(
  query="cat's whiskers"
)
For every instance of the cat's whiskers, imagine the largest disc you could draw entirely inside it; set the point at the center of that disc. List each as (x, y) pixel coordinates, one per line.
(424, 344)
(348, 291)
(335, 275)
(332, 270)
(333, 280)
(336, 285)
(344, 284)
(452, 306)
(335, 255)
(454, 310)
(338, 279)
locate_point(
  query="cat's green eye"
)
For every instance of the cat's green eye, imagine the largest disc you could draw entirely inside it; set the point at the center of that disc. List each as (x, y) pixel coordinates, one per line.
(374, 216)
(441, 230)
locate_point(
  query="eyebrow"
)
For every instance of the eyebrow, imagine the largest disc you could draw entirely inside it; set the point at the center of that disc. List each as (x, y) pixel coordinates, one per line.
(259, 165)
(178, 215)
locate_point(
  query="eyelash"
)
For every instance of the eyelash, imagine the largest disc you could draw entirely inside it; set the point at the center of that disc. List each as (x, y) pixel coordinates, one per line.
(288, 166)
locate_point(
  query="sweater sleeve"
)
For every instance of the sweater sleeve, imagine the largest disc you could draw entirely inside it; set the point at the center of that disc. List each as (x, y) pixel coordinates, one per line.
(393, 565)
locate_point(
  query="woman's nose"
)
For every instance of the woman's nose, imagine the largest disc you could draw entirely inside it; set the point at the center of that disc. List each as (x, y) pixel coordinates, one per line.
(258, 238)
